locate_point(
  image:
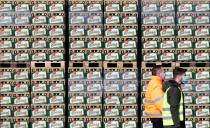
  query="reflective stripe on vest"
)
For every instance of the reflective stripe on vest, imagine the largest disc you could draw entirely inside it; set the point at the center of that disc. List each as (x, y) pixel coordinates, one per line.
(154, 100)
(167, 117)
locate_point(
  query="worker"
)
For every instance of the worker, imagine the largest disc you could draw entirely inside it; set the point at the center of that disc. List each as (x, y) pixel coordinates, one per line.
(173, 101)
(154, 97)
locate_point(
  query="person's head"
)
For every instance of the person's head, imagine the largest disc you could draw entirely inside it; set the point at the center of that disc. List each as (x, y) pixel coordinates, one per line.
(158, 71)
(179, 75)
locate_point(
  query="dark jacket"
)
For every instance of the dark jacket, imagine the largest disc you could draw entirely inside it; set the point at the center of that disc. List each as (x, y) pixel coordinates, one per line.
(173, 97)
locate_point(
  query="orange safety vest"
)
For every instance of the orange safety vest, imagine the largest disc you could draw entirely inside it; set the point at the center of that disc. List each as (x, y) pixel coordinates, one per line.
(154, 98)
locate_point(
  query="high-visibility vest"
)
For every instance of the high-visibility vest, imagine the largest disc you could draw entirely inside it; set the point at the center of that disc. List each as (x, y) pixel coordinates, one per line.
(167, 117)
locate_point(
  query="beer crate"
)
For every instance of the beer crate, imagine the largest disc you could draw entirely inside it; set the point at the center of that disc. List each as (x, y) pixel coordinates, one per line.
(21, 122)
(6, 55)
(94, 110)
(39, 121)
(166, 18)
(166, 30)
(6, 6)
(112, 55)
(129, 98)
(39, 18)
(6, 43)
(56, 110)
(150, 6)
(56, 17)
(39, 6)
(94, 73)
(55, 122)
(185, 55)
(150, 42)
(56, 42)
(129, 6)
(39, 30)
(94, 122)
(201, 18)
(21, 86)
(39, 42)
(21, 111)
(129, 74)
(150, 55)
(129, 42)
(94, 86)
(112, 17)
(39, 85)
(94, 18)
(150, 18)
(22, 18)
(95, 42)
(6, 86)
(77, 54)
(185, 5)
(77, 17)
(38, 111)
(146, 122)
(146, 73)
(6, 111)
(150, 30)
(185, 17)
(21, 98)
(189, 110)
(129, 30)
(113, 30)
(201, 6)
(56, 98)
(56, 54)
(22, 55)
(201, 122)
(168, 55)
(129, 111)
(22, 43)
(166, 42)
(129, 122)
(56, 30)
(76, 111)
(77, 42)
(6, 31)
(201, 86)
(112, 122)
(202, 98)
(112, 86)
(129, 86)
(202, 54)
(77, 86)
(111, 111)
(167, 6)
(77, 6)
(185, 42)
(6, 122)
(39, 98)
(56, 5)
(202, 30)
(202, 42)
(129, 55)
(112, 42)
(76, 98)
(7, 18)
(94, 98)
(94, 5)
(185, 30)
(144, 85)
(39, 55)
(77, 30)
(112, 74)
(56, 85)
(94, 54)
(189, 122)
(202, 111)
(112, 98)
(77, 121)
(202, 72)
(112, 6)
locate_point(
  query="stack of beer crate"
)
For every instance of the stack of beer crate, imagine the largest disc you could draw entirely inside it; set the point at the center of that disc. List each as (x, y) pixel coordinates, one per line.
(120, 66)
(85, 66)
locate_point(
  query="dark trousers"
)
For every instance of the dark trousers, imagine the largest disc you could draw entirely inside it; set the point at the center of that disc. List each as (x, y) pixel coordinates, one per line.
(157, 122)
(182, 123)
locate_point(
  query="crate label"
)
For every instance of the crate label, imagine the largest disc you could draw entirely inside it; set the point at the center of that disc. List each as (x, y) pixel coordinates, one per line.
(39, 20)
(147, 124)
(22, 57)
(129, 32)
(77, 112)
(150, 8)
(21, 75)
(168, 75)
(113, 7)
(77, 124)
(21, 100)
(185, 7)
(167, 32)
(39, 124)
(129, 8)
(185, 44)
(129, 56)
(5, 124)
(202, 75)
(150, 32)
(56, 56)
(150, 44)
(94, 100)
(6, 20)
(112, 32)
(112, 124)
(77, 75)
(129, 112)
(167, 44)
(5, 32)
(147, 75)
(112, 100)
(77, 100)
(94, 112)
(5, 44)
(5, 100)
(57, 112)
(112, 87)
(188, 112)
(77, 44)
(39, 112)
(94, 87)
(76, 87)
(56, 87)
(202, 44)
(202, 32)
(78, 19)
(150, 20)
(56, 100)
(22, 20)
(56, 20)
(185, 20)
(22, 8)
(78, 32)
(56, 32)
(21, 112)
(167, 7)
(56, 7)
(202, 7)
(22, 44)
(112, 44)
(187, 87)
(129, 87)
(202, 56)
(202, 87)
(129, 44)
(112, 56)
(94, 32)
(129, 124)
(167, 56)
(167, 20)
(56, 44)
(185, 56)
(5, 7)
(94, 75)
(129, 100)
(5, 75)
(5, 112)
(113, 20)
(21, 88)
(202, 124)
(39, 100)
(129, 75)
(94, 44)
(188, 99)
(94, 19)
(202, 20)
(112, 112)
(112, 75)
(94, 56)
(150, 57)
(188, 124)
(5, 87)
(94, 7)
(202, 112)
(56, 124)
(39, 87)
(94, 124)
(39, 44)
(39, 56)
(21, 124)
(39, 7)
(129, 20)
(185, 32)
(39, 32)
(77, 7)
